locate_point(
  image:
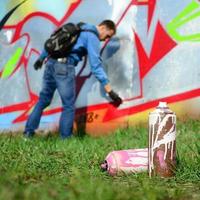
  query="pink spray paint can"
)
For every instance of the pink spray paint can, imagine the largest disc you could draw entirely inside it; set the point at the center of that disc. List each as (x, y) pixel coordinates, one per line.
(162, 141)
(126, 161)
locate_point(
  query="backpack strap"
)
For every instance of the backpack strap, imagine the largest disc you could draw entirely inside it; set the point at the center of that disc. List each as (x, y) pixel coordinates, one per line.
(91, 31)
(80, 24)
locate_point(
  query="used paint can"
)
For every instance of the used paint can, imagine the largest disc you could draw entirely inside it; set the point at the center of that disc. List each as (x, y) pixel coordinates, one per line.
(126, 162)
(162, 141)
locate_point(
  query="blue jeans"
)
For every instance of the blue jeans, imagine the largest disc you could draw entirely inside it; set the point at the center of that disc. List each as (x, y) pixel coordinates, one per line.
(60, 76)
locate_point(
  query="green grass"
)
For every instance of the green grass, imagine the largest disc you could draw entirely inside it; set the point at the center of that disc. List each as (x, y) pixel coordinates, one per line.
(49, 168)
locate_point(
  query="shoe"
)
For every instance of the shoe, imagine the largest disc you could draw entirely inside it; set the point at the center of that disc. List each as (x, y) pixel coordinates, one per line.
(28, 134)
(66, 137)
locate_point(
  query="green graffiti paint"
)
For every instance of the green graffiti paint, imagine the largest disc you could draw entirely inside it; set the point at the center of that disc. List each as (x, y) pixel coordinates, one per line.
(191, 12)
(11, 64)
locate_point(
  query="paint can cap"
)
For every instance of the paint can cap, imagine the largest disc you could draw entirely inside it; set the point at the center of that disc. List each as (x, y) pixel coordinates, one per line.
(162, 104)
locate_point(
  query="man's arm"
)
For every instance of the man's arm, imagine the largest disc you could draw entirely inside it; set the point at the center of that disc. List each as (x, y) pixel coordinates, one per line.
(44, 54)
(107, 88)
(93, 48)
(39, 62)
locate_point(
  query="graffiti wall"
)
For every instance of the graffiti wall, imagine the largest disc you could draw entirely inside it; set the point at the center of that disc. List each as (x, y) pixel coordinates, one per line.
(155, 56)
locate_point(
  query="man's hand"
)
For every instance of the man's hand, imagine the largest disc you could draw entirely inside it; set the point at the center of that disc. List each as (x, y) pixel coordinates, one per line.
(38, 64)
(115, 97)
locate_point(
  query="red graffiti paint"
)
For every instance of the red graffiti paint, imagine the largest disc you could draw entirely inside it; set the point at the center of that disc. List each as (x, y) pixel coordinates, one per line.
(162, 44)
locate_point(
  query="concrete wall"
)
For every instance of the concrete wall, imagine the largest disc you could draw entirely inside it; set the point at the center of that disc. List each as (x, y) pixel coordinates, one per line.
(155, 56)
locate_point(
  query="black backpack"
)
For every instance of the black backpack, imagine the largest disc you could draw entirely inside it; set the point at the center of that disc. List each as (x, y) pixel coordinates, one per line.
(63, 39)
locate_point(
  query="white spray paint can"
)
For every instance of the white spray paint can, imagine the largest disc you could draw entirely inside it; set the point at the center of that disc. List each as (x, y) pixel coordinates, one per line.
(162, 141)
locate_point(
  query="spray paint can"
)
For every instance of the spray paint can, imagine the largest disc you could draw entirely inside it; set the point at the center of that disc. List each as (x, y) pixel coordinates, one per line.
(126, 162)
(162, 141)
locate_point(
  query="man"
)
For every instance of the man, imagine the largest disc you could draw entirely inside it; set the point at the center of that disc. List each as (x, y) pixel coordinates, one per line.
(60, 74)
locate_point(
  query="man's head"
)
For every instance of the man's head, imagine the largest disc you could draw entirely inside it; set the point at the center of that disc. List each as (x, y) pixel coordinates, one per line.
(106, 29)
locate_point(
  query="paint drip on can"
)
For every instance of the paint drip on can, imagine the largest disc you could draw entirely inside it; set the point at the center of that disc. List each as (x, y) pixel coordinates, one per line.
(162, 141)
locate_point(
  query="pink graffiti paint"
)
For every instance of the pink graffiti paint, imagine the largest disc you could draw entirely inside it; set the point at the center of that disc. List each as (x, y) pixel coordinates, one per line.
(126, 161)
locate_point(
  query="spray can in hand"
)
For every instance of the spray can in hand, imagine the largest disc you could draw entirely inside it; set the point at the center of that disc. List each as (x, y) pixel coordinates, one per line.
(162, 142)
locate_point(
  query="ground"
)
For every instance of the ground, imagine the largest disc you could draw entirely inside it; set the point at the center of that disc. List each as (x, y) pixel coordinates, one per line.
(48, 168)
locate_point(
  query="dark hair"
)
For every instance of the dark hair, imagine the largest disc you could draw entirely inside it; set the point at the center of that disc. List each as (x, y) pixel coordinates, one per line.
(109, 24)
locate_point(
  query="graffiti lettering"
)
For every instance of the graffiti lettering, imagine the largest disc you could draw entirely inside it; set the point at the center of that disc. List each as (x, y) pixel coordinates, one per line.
(149, 62)
(190, 13)
(87, 118)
